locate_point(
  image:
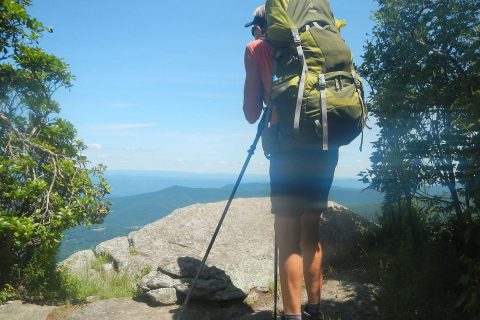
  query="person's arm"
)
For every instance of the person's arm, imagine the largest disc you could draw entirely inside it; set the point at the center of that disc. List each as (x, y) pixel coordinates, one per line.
(253, 90)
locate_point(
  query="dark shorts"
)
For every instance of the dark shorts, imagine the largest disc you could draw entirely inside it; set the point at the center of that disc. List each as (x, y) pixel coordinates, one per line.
(300, 181)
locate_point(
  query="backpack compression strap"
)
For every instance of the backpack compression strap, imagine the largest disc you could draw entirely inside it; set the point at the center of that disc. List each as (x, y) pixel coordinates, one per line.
(301, 86)
(358, 86)
(323, 103)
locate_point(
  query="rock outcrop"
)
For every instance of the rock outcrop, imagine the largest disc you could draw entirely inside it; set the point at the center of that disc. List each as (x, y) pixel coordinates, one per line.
(80, 264)
(241, 260)
(339, 232)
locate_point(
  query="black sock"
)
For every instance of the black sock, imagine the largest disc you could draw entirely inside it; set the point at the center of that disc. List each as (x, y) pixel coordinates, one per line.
(288, 316)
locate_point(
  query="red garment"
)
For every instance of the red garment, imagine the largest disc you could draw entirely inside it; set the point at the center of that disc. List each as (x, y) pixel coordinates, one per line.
(258, 78)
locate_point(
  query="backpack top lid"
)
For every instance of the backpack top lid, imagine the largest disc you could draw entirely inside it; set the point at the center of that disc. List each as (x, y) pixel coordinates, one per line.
(285, 15)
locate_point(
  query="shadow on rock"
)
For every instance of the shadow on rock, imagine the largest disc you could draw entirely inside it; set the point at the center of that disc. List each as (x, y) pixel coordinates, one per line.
(213, 284)
(214, 296)
(202, 311)
(354, 298)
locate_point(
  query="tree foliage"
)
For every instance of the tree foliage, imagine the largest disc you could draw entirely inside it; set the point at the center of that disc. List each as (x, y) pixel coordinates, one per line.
(422, 63)
(46, 185)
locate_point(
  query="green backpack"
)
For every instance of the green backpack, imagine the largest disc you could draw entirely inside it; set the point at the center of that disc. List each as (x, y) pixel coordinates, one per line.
(316, 93)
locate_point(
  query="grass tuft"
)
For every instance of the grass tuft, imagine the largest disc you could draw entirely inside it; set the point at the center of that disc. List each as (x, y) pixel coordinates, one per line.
(99, 283)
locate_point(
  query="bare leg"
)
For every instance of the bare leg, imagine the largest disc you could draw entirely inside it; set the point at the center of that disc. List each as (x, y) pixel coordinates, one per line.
(312, 256)
(290, 262)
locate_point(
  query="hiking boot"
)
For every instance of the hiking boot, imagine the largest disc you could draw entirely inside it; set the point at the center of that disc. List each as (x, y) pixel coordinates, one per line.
(306, 315)
(282, 317)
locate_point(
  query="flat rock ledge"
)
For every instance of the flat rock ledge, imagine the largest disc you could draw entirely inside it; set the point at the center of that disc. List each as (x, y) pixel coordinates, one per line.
(19, 310)
(240, 267)
(241, 261)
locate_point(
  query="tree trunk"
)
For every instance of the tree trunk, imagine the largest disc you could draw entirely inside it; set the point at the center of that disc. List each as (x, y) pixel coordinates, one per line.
(452, 187)
(6, 241)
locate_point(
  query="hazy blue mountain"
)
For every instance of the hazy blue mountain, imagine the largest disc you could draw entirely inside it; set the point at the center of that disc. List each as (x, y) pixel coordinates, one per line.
(349, 183)
(128, 182)
(133, 212)
(131, 182)
(364, 202)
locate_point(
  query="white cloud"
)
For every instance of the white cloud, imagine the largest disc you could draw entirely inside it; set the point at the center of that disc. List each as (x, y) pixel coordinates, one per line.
(94, 146)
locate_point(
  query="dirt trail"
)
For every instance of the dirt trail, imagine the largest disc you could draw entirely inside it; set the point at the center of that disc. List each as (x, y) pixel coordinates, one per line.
(346, 294)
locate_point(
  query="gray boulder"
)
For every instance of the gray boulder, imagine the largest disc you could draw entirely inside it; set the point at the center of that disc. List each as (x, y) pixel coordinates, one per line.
(243, 251)
(117, 249)
(340, 231)
(125, 258)
(212, 285)
(78, 263)
(156, 280)
(162, 296)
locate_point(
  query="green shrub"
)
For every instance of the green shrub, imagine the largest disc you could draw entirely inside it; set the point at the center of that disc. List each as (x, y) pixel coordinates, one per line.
(47, 185)
(469, 301)
(33, 278)
(417, 267)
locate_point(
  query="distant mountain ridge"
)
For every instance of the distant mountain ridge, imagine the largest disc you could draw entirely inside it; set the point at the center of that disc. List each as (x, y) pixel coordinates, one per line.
(132, 182)
(126, 183)
(132, 212)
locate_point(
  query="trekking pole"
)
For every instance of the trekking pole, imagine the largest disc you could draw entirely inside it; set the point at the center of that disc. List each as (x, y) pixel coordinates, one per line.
(275, 282)
(251, 151)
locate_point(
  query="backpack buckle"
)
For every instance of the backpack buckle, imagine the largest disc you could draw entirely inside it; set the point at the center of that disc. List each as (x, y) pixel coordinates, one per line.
(296, 37)
(358, 85)
(322, 82)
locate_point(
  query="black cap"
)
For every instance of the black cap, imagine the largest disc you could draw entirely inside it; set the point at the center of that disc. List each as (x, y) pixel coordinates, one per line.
(257, 21)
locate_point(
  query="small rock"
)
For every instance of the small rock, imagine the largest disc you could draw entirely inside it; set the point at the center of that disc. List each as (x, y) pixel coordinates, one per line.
(108, 268)
(202, 286)
(163, 296)
(211, 290)
(251, 299)
(156, 280)
(263, 289)
(230, 294)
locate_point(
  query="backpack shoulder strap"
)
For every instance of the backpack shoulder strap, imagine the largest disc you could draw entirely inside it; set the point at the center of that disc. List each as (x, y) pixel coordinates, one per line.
(303, 75)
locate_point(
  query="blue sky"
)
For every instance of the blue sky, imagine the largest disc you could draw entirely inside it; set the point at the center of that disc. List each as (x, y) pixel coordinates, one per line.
(159, 84)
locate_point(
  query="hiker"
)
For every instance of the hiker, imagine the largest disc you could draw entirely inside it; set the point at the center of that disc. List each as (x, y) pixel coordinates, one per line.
(300, 180)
